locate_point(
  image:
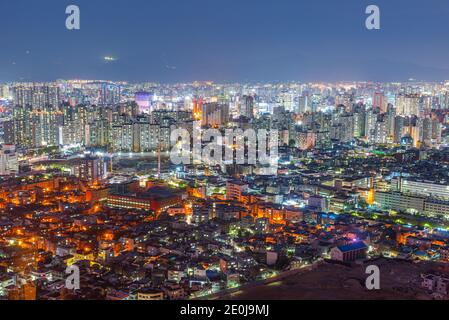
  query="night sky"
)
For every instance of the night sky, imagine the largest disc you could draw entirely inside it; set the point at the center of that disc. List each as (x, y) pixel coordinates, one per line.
(232, 40)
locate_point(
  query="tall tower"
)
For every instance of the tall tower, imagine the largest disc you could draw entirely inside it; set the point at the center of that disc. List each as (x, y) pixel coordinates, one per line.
(159, 160)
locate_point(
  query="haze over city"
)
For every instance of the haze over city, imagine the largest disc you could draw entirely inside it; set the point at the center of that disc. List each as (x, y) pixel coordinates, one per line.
(232, 41)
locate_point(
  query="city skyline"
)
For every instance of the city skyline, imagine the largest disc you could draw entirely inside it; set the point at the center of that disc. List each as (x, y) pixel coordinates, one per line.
(146, 191)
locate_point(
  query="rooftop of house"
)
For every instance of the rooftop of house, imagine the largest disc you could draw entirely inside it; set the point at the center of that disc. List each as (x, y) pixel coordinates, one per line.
(353, 246)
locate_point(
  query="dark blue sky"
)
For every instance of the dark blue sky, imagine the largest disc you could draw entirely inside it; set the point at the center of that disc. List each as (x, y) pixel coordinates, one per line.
(232, 40)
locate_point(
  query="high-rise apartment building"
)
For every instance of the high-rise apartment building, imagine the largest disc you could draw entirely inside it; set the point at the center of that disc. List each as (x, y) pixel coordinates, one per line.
(36, 95)
(380, 101)
(215, 114)
(408, 105)
(8, 160)
(247, 107)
